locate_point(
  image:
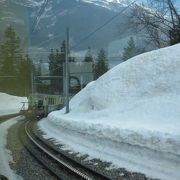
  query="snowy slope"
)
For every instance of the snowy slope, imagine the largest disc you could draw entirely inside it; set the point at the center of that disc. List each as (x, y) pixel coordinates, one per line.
(5, 155)
(102, 3)
(135, 104)
(10, 104)
(113, 5)
(30, 3)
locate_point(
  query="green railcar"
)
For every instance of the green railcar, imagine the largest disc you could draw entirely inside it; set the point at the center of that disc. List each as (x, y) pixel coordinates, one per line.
(42, 104)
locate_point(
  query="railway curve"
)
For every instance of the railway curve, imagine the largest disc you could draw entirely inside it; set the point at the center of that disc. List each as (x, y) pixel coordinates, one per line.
(63, 167)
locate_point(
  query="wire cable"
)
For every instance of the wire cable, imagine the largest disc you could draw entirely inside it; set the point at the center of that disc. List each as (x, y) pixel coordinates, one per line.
(103, 25)
(93, 32)
(41, 11)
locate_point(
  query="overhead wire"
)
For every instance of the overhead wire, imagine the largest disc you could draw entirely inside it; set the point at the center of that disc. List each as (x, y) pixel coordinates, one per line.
(50, 39)
(103, 25)
(41, 11)
(93, 32)
(86, 37)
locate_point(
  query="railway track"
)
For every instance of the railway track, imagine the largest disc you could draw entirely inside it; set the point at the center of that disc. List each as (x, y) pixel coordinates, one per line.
(58, 164)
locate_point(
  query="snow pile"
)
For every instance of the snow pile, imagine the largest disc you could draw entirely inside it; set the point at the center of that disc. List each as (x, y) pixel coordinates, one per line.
(10, 104)
(137, 103)
(5, 154)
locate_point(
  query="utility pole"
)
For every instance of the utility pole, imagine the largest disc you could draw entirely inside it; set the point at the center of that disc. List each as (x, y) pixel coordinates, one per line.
(64, 81)
(81, 78)
(32, 82)
(67, 72)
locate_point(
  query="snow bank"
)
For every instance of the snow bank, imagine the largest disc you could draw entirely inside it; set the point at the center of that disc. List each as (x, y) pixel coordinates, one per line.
(5, 154)
(135, 103)
(10, 104)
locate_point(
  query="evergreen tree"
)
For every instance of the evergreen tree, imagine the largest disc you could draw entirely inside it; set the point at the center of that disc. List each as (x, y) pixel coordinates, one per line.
(24, 76)
(175, 35)
(39, 86)
(56, 60)
(62, 54)
(11, 53)
(13, 65)
(51, 62)
(101, 65)
(63, 49)
(59, 59)
(39, 70)
(88, 56)
(131, 50)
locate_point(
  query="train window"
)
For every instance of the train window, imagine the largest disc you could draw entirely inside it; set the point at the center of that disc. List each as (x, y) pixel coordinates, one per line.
(50, 101)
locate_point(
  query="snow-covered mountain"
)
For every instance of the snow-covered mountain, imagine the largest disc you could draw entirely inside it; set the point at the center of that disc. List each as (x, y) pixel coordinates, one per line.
(113, 5)
(109, 4)
(81, 16)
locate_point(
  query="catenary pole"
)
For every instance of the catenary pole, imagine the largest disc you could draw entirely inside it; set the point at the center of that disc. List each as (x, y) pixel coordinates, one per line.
(64, 81)
(32, 82)
(67, 71)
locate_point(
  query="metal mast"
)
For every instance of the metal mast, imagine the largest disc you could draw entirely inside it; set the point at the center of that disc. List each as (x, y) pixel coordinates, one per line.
(67, 72)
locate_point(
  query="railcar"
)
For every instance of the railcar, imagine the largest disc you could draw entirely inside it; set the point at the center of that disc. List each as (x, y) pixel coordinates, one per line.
(40, 105)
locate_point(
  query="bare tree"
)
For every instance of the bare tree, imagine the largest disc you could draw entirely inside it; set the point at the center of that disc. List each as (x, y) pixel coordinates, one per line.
(160, 20)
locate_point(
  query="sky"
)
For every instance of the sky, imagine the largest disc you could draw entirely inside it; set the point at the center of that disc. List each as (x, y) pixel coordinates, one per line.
(177, 2)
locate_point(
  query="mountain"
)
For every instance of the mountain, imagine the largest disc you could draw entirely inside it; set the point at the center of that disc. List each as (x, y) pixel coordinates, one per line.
(15, 15)
(47, 30)
(82, 17)
(113, 5)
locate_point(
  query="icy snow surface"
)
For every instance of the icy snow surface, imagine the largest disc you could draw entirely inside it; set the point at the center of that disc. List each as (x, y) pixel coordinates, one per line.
(5, 154)
(129, 116)
(10, 104)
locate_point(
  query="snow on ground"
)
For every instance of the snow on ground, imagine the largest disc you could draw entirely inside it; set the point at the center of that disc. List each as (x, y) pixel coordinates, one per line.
(5, 154)
(129, 116)
(10, 104)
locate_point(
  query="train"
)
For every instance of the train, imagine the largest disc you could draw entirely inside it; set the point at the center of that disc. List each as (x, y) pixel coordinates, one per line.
(40, 105)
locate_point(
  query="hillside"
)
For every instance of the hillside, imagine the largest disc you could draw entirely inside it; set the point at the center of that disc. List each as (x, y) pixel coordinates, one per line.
(82, 16)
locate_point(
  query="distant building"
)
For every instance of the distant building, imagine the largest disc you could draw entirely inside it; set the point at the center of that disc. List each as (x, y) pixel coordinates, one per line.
(81, 73)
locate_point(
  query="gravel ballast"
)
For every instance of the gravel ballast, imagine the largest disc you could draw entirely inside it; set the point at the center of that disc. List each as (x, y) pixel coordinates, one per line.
(24, 164)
